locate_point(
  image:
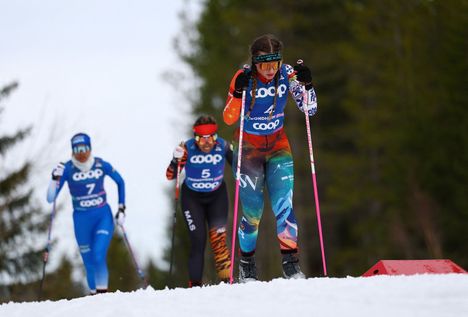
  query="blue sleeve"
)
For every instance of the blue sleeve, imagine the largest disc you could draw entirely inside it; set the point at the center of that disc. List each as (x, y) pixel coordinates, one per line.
(109, 170)
(56, 186)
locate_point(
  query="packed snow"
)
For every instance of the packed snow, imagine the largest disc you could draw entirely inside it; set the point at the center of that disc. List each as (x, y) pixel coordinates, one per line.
(395, 296)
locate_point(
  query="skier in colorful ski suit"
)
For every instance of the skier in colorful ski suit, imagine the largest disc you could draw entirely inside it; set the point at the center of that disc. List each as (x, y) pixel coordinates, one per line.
(204, 198)
(92, 215)
(266, 154)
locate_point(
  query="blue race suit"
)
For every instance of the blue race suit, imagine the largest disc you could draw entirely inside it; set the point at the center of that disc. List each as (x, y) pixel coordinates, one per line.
(204, 201)
(92, 216)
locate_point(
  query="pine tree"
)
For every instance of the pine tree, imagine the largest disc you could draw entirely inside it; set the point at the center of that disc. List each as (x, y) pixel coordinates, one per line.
(59, 285)
(122, 272)
(405, 68)
(156, 277)
(20, 219)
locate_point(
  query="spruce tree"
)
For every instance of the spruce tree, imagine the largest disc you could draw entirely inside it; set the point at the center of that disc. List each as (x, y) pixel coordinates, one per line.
(122, 272)
(20, 219)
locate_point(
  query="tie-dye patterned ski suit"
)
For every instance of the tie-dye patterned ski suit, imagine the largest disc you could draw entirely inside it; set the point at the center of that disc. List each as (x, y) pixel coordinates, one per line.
(266, 157)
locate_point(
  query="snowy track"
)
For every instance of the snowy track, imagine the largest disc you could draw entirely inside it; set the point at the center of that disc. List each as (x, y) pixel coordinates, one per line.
(395, 296)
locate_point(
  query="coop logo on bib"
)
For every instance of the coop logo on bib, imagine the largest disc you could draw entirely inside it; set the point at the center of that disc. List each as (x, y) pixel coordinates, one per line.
(266, 126)
(91, 202)
(205, 185)
(270, 91)
(209, 158)
(80, 176)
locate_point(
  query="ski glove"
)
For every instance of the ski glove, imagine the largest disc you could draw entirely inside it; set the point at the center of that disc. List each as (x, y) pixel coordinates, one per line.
(304, 75)
(58, 171)
(120, 215)
(178, 152)
(241, 83)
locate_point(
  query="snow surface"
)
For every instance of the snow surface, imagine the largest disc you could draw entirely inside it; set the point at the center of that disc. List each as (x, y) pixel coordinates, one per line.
(395, 296)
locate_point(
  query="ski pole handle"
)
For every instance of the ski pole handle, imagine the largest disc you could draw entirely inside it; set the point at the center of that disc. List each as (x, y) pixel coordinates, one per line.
(45, 255)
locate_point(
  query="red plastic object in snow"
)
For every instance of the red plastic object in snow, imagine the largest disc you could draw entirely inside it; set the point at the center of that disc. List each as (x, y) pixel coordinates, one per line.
(411, 267)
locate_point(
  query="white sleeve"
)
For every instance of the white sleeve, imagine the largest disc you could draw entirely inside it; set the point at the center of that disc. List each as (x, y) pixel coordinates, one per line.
(52, 190)
(297, 91)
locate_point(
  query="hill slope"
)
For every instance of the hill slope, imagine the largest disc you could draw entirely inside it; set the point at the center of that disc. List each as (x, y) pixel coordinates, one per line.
(418, 295)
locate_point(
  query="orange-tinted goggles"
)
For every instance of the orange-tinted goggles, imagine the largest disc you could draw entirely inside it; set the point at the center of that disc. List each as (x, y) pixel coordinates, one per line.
(270, 65)
(202, 139)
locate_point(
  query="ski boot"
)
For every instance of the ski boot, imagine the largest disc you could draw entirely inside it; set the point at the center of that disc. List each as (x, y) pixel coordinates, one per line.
(247, 269)
(291, 267)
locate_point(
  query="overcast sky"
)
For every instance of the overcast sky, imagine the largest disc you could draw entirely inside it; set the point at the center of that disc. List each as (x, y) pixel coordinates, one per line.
(98, 67)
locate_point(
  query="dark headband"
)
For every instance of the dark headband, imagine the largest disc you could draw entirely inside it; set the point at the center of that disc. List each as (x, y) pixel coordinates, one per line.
(272, 57)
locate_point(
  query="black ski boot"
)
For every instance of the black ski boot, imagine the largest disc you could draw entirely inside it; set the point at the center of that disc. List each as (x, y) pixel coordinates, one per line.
(291, 267)
(247, 269)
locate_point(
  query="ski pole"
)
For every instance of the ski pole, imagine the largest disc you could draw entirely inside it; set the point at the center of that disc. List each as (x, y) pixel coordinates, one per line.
(314, 179)
(236, 198)
(174, 218)
(45, 255)
(140, 272)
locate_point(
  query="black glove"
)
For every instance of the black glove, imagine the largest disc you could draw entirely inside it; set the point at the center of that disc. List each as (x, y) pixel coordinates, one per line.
(242, 82)
(304, 75)
(120, 215)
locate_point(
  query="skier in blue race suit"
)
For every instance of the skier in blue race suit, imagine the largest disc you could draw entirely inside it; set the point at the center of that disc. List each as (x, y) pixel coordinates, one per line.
(204, 196)
(92, 215)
